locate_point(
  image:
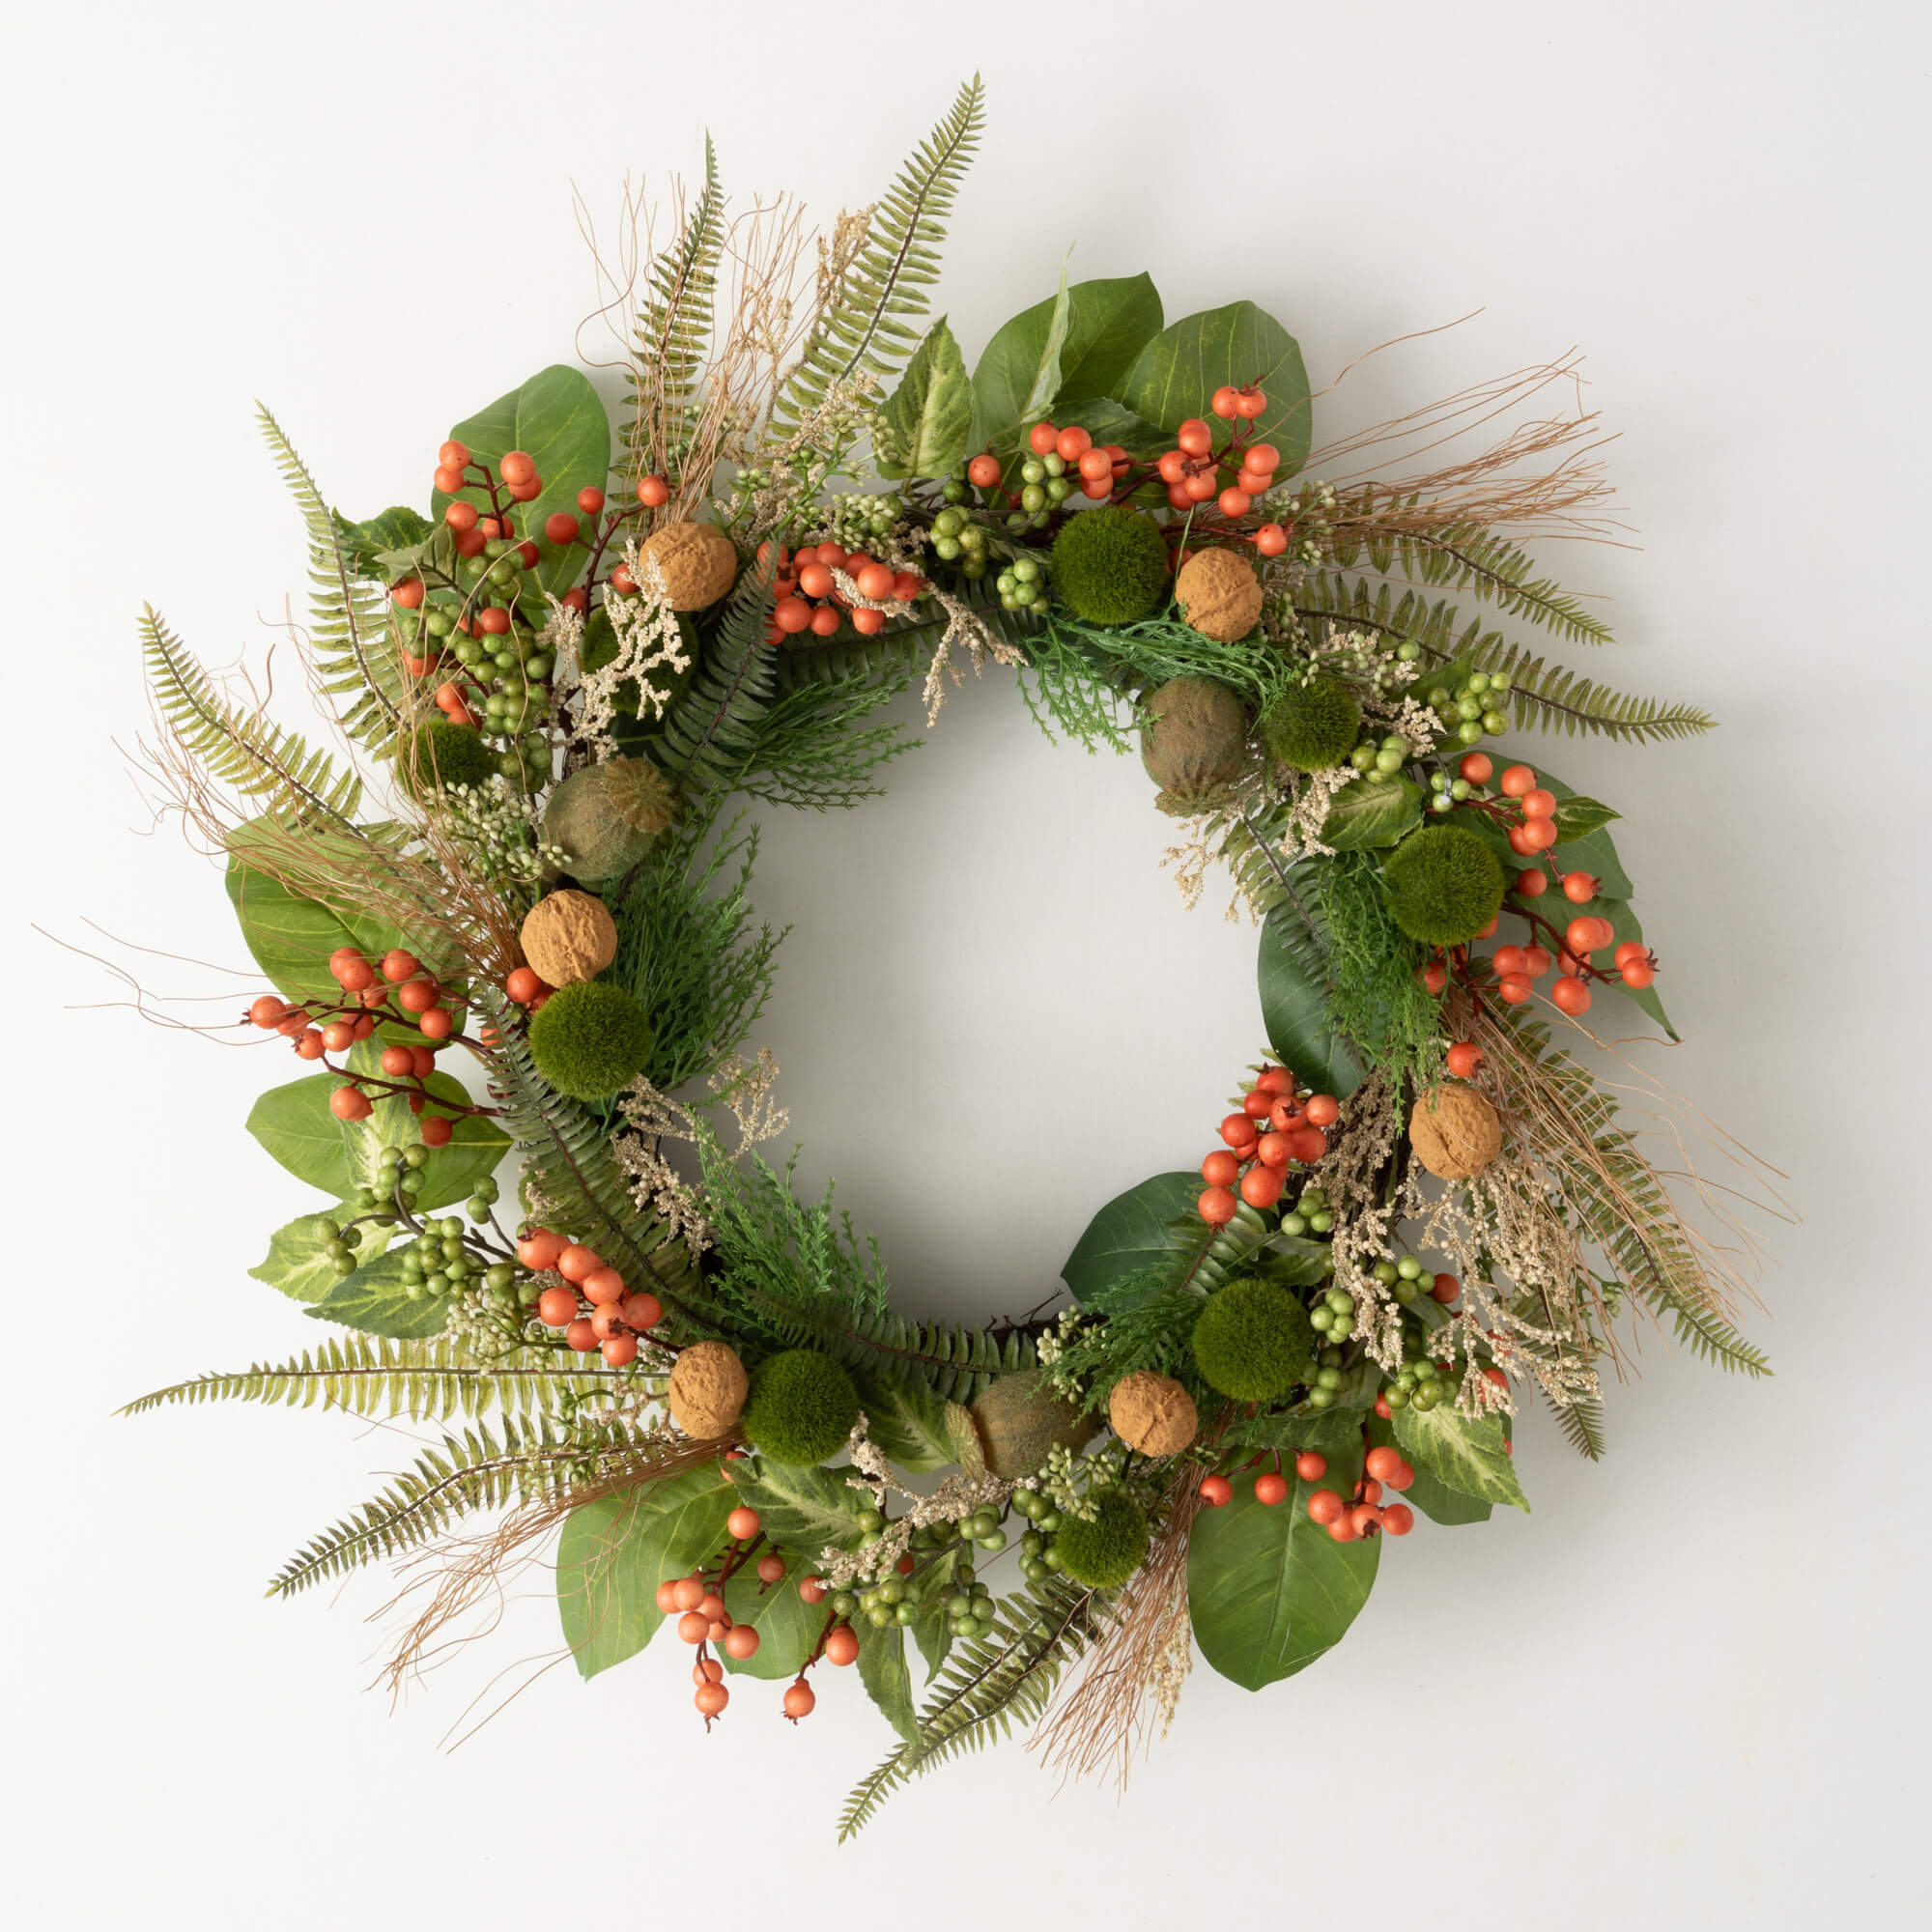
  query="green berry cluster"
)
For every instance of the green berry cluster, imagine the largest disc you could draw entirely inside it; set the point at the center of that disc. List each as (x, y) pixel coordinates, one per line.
(1022, 586)
(1421, 1383)
(857, 521)
(1326, 1383)
(1044, 485)
(1381, 763)
(957, 538)
(1039, 1549)
(1473, 708)
(1311, 1214)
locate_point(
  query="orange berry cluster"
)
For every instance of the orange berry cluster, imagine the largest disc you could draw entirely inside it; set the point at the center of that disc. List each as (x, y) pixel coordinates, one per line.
(370, 988)
(1194, 474)
(1362, 1514)
(809, 597)
(698, 1602)
(1279, 1123)
(592, 1305)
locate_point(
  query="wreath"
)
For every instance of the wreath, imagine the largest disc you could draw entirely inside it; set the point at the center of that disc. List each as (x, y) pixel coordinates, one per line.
(556, 694)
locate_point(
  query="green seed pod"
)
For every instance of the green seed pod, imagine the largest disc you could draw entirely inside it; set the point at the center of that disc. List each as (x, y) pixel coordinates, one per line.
(607, 818)
(1019, 1418)
(1194, 743)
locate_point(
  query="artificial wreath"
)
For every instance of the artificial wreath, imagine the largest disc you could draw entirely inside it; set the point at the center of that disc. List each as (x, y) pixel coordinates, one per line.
(553, 688)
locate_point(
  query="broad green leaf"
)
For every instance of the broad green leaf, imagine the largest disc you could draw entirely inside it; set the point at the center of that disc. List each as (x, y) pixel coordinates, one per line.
(1466, 1452)
(1269, 1590)
(933, 1635)
(615, 1552)
(907, 1421)
(294, 1125)
(1019, 372)
(1295, 1012)
(1108, 421)
(1589, 850)
(1434, 1498)
(376, 1299)
(788, 1627)
(297, 1260)
(927, 421)
(1366, 814)
(1175, 376)
(557, 420)
(364, 545)
(803, 1510)
(1132, 1233)
(1576, 815)
(882, 1671)
(290, 936)
(1114, 319)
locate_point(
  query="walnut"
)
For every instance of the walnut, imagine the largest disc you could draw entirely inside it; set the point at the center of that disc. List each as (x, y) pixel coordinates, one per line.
(698, 562)
(1455, 1132)
(569, 936)
(707, 1390)
(1219, 595)
(1152, 1413)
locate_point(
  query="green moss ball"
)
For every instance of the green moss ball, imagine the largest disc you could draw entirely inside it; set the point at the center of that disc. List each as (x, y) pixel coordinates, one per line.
(1110, 566)
(801, 1409)
(1445, 885)
(591, 1039)
(444, 754)
(1106, 1552)
(1311, 727)
(1253, 1341)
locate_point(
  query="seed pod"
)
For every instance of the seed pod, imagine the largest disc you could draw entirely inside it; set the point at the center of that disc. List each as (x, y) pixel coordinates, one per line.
(606, 818)
(1194, 743)
(1018, 1419)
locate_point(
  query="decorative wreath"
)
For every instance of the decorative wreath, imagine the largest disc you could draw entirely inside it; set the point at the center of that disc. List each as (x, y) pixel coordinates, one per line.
(550, 690)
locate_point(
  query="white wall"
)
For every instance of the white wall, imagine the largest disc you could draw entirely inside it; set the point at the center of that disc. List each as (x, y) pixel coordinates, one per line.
(1689, 1690)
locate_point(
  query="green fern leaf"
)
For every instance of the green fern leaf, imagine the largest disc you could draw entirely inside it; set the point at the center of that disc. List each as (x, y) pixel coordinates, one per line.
(241, 747)
(674, 332)
(865, 329)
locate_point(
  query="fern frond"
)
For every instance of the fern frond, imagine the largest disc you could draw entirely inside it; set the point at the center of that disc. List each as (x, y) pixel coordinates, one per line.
(1547, 696)
(566, 1157)
(711, 735)
(369, 1375)
(986, 1686)
(865, 328)
(241, 747)
(1465, 556)
(476, 1470)
(349, 639)
(673, 332)
(1581, 1421)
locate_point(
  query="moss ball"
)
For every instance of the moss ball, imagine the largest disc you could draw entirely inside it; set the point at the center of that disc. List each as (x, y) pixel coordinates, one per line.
(1253, 1341)
(801, 1407)
(443, 754)
(1106, 1552)
(607, 818)
(590, 1041)
(1445, 885)
(1194, 742)
(1219, 595)
(1313, 726)
(1110, 566)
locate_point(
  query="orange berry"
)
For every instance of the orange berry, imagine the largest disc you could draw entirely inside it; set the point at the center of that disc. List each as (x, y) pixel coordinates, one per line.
(641, 1311)
(771, 1567)
(539, 1248)
(1173, 465)
(907, 585)
(619, 1350)
(461, 517)
(1463, 1059)
(1532, 882)
(653, 492)
(1570, 996)
(1445, 1288)
(983, 471)
(868, 623)
(1075, 444)
(1272, 540)
(1272, 1151)
(1096, 463)
(841, 1647)
(453, 455)
(1225, 401)
(1217, 1206)
(1324, 1506)
(603, 1287)
(1539, 803)
(1324, 1110)
(687, 1593)
(1200, 487)
(590, 500)
(1194, 438)
(1216, 1492)
(556, 1307)
(665, 1603)
(1398, 1520)
(350, 1103)
(742, 1523)
(741, 1641)
(876, 582)
(799, 1700)
(522, 986)
(267, 1011)
(1220, 1169)
(560, 526)
(1261, 1185)
(1270, 1489)
(1516, 780)
(577, 1263)
(517, 469)
(1308, 1144)
(1043, 439)
(1538, 835)
(1311, 1466)
(1638, 975)
(815, 581)
(711, 1698)
(1383, 1462)
(1234, 502)
(1578, 887)
(1344, 1530)
(1250, 404)
(812, 1589)
(1264, 457)
(1476, 767)
(1239, 1131)
(581, 1336)
(1514, 990)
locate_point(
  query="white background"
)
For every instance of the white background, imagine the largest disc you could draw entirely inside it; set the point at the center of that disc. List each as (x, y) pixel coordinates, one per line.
(1690, 1690)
